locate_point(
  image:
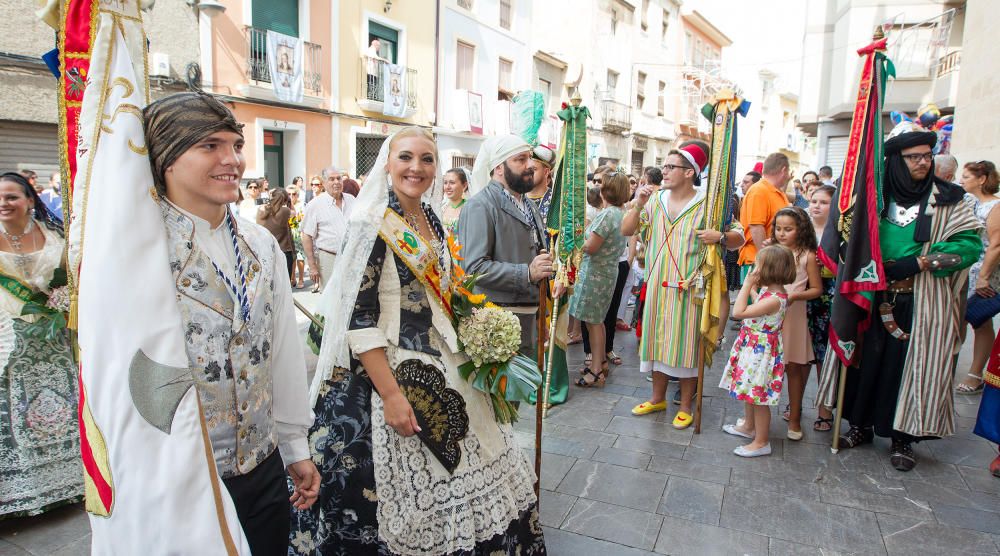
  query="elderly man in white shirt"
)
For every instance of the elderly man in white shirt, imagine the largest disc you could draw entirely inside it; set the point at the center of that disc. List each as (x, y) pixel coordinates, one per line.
(324, 225)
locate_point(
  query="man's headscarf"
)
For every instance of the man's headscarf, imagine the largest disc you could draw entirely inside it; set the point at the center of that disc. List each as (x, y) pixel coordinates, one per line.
(494, 151)
(176, 123)
(899, 186)
(544, 155)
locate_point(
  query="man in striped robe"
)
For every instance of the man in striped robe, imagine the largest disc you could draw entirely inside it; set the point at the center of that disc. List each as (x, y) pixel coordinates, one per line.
(901, 388)
(670, 221)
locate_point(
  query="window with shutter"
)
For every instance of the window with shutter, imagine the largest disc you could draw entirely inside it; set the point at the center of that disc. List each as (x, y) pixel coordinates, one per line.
(506, 80)
(465, 56)
(281, 16)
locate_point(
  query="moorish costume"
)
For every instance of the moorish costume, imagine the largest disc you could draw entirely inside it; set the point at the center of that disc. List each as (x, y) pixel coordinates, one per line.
(902, 388)
(670, 335)
(466, 490)
(39, 439)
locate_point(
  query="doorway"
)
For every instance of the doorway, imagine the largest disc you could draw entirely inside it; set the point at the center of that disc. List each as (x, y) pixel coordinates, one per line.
(274, 158)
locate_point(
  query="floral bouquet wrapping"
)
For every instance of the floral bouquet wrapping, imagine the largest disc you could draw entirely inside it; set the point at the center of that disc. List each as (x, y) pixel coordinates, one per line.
(52, 308)
(490, 336)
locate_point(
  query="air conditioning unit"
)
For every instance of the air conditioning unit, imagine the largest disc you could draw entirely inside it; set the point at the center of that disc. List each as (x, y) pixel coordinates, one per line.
(160, 65)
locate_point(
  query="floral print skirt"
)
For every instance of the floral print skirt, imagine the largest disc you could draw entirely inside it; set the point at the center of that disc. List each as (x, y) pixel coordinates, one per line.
(39, 439)
(344, 521)
(755, 368)
(818, 315)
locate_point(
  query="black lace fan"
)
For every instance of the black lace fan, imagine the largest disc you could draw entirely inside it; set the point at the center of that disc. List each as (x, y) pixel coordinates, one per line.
(440, 411)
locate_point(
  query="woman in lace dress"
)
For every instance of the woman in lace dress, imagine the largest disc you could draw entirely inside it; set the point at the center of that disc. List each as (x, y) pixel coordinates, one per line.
(39, 442)
(413, 460)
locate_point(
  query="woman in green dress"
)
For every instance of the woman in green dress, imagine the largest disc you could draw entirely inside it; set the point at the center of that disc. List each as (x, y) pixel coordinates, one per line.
(599, 272)
(39, 443)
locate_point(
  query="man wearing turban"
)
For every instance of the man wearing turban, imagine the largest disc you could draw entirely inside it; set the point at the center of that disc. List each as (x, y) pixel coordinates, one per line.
(502, 233)
(239, 327)
(542, 159)
(901, 388)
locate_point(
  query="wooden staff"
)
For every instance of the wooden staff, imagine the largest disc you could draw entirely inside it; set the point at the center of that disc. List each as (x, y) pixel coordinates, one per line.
(835, 447)
(542, 389)
(701, 374)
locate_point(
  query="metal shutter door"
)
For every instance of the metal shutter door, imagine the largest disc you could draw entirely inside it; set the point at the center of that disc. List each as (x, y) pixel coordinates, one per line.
(29, 146)
(836, 151)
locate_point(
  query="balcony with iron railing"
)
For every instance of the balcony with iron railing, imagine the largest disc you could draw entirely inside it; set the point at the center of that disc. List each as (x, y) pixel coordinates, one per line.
(259, 72)
(615, 116)
(371, 86)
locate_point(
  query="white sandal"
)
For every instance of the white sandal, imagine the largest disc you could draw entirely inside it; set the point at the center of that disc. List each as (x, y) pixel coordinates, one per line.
(966, 390)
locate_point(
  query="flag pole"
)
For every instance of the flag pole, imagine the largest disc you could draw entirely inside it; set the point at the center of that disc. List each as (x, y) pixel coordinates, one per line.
(548, 361)
(306, 312)
(543, 388)
(842, 378)
(552, 338)
(701, 384)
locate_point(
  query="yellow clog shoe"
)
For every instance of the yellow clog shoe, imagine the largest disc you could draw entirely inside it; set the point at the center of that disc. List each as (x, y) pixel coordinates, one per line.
(645, 408)
(682, 420)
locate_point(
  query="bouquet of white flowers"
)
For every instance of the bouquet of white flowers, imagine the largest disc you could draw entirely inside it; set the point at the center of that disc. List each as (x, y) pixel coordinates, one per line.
(490, 336)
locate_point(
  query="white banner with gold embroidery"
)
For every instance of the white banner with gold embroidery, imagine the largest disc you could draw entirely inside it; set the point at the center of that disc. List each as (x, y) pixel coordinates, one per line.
(151, 480)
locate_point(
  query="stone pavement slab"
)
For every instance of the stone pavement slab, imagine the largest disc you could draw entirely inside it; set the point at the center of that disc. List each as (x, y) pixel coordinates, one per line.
(617, 484)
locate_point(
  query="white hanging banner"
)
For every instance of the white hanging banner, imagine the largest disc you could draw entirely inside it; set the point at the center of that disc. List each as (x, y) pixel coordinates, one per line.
(284, 60)
(394, 90)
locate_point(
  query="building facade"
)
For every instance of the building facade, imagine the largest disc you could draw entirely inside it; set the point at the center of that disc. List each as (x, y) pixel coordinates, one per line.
(924, 42)
(484, 60)
(643, 68)
(29, 137)
(977, 129)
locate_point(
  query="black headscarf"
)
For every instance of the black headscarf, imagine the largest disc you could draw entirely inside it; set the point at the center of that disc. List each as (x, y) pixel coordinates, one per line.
(42, 212)
(177, 122)
(899, 186)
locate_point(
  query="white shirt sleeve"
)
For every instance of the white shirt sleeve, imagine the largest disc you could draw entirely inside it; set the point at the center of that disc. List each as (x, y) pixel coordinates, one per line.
(290, 401)
(309, 223)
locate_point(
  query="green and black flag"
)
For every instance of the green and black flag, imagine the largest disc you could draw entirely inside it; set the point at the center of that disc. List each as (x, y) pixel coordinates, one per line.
(850, 246)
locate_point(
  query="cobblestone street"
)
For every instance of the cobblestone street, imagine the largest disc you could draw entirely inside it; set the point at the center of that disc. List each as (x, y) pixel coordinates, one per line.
(614, 484)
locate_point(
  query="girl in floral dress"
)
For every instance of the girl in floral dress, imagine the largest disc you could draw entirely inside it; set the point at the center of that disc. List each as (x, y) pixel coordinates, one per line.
(756, 365)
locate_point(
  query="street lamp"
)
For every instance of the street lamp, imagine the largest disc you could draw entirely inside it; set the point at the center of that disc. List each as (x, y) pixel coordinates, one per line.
(211, 8)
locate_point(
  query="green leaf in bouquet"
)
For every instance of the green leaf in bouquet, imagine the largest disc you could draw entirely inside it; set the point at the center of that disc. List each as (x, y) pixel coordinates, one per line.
(523, 378)
(35, 308)
(59, 278)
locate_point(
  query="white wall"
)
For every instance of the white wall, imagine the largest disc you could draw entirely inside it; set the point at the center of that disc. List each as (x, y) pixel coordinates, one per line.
(977, 128)
(481, 28)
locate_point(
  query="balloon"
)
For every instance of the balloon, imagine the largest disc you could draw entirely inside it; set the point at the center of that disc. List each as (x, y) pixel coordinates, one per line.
(928, 115)
(945, 120)
(898, 117)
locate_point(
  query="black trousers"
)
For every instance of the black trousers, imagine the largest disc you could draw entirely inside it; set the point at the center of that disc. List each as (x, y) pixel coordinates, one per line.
(872, 389)
(290, 262)
(611, 318)
(261, 499)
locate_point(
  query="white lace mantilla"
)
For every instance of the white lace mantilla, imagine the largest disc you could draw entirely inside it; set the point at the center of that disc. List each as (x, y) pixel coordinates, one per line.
(422, 510)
